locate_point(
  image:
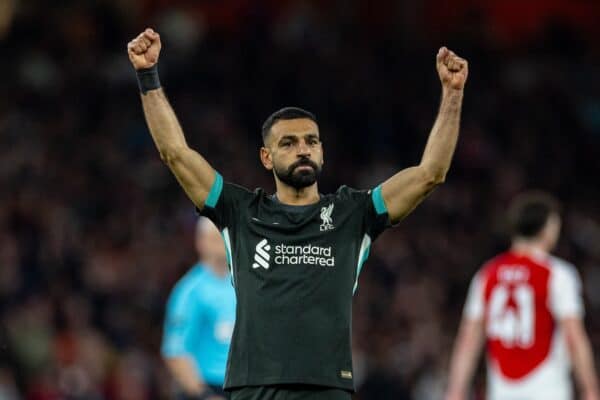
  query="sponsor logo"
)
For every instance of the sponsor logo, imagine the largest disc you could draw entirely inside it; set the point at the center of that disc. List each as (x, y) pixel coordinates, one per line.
(292, 255)
(307, 254)
(326, 220)
(262, 257)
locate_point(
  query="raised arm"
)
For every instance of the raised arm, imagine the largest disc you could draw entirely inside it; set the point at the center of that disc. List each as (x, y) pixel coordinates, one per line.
(405, 190)
(192, 171)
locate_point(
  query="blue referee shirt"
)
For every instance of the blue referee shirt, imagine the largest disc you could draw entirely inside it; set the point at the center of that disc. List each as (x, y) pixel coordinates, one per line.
(199, 322)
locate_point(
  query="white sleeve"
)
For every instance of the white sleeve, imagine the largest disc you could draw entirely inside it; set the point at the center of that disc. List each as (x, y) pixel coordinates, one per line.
(475, 302)
(565, 291)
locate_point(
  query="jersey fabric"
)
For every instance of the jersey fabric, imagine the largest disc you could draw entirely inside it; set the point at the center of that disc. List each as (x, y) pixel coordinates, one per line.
(199, 322)
(295, 270)
(289, 392)
(522, 299)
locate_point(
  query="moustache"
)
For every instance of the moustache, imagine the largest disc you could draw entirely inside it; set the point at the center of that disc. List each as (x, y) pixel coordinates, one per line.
(304, 162)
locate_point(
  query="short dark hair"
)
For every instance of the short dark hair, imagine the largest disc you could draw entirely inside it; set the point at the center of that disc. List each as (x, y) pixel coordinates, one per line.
(284, 114)
(529, 212)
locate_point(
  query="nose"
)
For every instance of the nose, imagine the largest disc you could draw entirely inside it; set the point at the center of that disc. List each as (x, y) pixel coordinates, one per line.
(303, 149)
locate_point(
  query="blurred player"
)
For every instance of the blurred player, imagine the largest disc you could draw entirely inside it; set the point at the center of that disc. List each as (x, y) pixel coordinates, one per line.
(199, 320)
(295, 255)
(526, 304)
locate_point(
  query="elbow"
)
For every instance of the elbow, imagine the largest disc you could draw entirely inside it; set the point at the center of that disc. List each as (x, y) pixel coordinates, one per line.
(433, 178)
(438, 179)
(171, 155)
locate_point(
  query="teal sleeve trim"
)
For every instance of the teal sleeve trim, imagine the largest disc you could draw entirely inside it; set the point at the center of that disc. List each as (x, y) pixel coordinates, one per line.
(378, 201)
(215, 191)
(363, 254)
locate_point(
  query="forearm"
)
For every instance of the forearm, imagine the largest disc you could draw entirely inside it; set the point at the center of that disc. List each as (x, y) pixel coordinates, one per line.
(462, 367)
(409, 187)
(444, 135)
(163, 124)
(464, 358)
(186, 375)
(192, 171)
(583, 365)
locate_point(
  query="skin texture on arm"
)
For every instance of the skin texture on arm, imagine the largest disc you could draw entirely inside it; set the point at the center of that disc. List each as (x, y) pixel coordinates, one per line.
(465, 356)
(192, 171)
(582, 358)
(405, 190)
(184, 372)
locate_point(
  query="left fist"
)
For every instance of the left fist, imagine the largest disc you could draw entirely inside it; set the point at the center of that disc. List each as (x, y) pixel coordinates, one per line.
(452, 69)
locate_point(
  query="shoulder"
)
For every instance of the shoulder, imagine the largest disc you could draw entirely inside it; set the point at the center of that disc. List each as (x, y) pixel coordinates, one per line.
(492, 264)
(490, 267)
(347, 193)
(234, 188)
(242, 195)
(188, 286)
(562, 269)
(222, 188)
(565, 289)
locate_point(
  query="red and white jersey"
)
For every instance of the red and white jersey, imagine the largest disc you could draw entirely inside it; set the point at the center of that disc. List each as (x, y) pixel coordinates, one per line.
(521, 298)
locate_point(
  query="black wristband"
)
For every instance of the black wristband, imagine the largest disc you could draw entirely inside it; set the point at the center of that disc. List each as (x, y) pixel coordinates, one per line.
(148, 78)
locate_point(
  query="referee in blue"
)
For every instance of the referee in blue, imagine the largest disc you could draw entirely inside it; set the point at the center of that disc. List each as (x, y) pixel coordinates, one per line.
(199, 320)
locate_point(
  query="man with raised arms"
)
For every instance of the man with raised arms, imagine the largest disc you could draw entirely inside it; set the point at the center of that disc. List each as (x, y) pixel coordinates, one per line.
(295, 255)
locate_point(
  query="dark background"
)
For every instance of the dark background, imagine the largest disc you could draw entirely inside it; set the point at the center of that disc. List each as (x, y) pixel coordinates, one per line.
(94, 230)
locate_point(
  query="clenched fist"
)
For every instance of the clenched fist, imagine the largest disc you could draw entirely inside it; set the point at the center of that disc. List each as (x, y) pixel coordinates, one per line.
(143, 51)
(452, 69)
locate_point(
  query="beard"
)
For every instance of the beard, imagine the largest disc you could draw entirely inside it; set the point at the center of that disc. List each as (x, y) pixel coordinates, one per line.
(298, 179)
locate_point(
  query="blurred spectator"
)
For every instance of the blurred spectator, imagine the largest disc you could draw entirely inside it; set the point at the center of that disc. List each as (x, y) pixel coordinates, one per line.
(7, 10)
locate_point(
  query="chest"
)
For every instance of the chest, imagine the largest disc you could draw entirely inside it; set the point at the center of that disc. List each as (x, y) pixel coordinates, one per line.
(312, 253)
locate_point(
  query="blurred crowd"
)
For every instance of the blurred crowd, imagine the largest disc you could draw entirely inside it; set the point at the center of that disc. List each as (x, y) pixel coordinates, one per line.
(94, 230)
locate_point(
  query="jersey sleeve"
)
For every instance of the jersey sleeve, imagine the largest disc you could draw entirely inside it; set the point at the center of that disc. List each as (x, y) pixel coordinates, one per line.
(565, 291)
(474, 305)
(182, 312)
(377, 218)
(369, 206)
(222, 202)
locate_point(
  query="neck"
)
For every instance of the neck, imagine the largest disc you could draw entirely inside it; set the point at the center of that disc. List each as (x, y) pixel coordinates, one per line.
(529, 246)
(297, 197)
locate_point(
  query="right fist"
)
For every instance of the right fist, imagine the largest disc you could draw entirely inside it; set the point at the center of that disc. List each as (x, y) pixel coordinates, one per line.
(143, 51)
